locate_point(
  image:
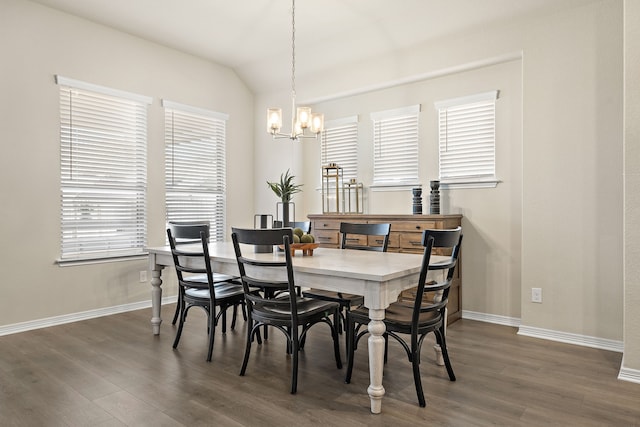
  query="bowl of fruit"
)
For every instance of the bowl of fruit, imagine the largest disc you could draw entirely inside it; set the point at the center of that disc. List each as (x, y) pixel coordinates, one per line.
(302, 241)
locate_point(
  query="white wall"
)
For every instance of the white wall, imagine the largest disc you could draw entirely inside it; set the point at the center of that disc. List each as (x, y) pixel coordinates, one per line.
(632, 184)
(37, 43)
(491, 215)
(570, 185)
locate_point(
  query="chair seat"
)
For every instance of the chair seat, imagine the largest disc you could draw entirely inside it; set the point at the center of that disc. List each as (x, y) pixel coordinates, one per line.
(342, 298)
(223, 291)
(280, 309)
(398, 317)
(217, 278)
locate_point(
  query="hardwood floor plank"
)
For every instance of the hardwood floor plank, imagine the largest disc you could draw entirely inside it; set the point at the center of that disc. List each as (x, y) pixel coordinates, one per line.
(113, 372)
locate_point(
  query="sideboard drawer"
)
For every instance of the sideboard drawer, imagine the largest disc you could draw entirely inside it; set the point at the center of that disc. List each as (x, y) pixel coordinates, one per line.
(327, 238)
(411, 241)
(325, 225)
(413, 226)
(394, 240)
(357, 240)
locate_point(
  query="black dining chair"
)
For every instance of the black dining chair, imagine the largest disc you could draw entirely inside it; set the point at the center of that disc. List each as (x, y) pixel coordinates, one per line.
(418, 317)
(354, 236)
(291, 314)
(191, 263)
(186, 232)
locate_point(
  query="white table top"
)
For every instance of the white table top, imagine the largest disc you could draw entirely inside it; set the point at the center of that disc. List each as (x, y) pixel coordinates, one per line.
(346, 263)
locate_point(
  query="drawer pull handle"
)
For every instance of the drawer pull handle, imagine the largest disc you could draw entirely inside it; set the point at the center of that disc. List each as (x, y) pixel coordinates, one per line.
(379, 241)
(414, 243)
(323, 238)
(417, 227)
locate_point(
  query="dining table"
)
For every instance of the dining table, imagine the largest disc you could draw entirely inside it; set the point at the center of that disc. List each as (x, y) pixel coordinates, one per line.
(379, 276)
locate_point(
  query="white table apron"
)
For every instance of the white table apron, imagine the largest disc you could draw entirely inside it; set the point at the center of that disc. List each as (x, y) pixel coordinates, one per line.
(380, 277)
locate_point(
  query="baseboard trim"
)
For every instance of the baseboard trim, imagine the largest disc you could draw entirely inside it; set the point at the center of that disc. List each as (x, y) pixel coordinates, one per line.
(569, 338)
(491, 318)
(75, 317)
(628, 374)
(547, 334)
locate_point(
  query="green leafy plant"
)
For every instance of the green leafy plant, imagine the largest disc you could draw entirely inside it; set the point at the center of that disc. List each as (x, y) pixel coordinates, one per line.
(285, 189)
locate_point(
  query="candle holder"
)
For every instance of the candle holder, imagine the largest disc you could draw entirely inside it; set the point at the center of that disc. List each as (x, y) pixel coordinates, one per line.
(417, 200)
(434, 198)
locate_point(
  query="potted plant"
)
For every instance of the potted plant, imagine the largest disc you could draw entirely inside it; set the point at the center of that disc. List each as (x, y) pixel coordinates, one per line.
(285, 189)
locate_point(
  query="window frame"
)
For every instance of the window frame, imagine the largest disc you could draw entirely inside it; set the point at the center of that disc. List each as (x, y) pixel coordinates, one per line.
(457, 116)
(344, 134)
(398, 126)
(103, 172)
(198, 192)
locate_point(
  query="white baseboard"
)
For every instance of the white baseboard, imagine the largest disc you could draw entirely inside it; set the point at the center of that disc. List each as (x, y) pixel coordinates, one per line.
(628, 374)
(547, 334)
(75, 317)
(569, 338)
(491, 318)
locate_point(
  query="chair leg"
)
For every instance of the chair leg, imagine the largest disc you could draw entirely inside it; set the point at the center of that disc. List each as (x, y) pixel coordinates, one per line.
(224, 319)
(440, 336)
(386, 347)
(182, 318)
(294, 363)
(350, 336)
(415, 363)
(233, 317)
(244, 310)
(247, 349)
(212, 331)
(338, 321)
(177, 313)
(336, 345)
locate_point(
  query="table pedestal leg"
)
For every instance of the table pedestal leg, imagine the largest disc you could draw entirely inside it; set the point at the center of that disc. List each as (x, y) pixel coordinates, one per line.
(376, 359)
(156, 299)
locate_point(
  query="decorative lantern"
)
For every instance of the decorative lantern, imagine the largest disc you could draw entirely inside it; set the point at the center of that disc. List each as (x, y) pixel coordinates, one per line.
(353, 193)
(332, 188)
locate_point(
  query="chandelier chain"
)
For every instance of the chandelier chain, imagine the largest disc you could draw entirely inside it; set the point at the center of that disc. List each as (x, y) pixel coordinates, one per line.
(293, 48)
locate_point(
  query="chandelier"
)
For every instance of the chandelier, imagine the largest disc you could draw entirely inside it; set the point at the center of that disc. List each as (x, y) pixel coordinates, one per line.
(304, 123)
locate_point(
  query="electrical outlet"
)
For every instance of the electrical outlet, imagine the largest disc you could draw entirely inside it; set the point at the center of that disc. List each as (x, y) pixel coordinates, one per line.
(536, 295)
(143, 276)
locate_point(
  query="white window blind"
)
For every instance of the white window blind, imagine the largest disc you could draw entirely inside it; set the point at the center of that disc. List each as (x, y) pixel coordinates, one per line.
(395, 145)
(103, 140)
(195, 166)
(466, 134)
(339, 145)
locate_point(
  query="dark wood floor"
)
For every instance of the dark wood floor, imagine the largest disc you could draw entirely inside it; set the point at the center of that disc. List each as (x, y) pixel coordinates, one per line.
(113, 372)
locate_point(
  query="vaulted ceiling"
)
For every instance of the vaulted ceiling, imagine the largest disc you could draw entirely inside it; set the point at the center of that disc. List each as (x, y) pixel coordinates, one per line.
(253, 37)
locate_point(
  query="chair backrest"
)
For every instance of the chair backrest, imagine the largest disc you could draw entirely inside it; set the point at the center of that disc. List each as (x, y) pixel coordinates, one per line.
(191, 263)
(348, 229)
(304, 225)
(432, 239)
(265, 271)
(188, 231)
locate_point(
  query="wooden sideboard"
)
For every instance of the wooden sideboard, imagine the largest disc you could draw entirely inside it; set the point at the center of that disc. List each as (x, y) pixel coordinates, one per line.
(406, 236)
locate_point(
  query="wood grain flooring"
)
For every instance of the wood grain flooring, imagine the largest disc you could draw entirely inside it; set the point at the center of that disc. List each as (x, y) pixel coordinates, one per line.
(112, 371)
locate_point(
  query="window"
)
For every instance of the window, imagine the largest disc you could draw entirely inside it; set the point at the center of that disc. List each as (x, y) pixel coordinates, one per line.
(195, 166)
(103, 179)
(467, 136)
(395, 146)
(339, 145)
